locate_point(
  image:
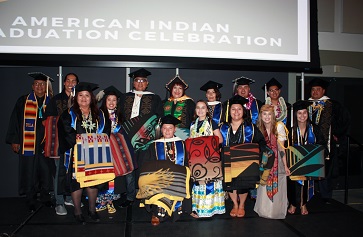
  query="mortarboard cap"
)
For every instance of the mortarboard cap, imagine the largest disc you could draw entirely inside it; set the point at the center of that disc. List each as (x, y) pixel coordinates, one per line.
(113, 90)
(211, 85)
(272, 82)
(237, 99)
(176, 80)
(140, 73)
(301, 104)
(169, 119)
(243, 81)
(86, 86)
(40, 76)
(319, 82)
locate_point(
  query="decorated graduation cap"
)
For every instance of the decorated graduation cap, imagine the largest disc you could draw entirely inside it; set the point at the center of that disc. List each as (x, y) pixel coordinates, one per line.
(140, 73)
(86, 86)
(40, 76)
(301, 104)
(176, 80)
(211, 85)
(169, 119)
(237, 99)
(243, 81)
(111, 90)
(272, 82)
(319, 82)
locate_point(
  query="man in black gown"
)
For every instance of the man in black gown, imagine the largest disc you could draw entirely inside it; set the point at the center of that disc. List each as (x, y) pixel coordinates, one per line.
(25, 135)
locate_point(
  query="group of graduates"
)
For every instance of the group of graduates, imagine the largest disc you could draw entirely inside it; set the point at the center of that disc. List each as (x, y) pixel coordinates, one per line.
(176, 156)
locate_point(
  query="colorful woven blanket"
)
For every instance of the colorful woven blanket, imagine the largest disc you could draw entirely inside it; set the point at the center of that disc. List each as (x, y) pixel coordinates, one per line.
(92, 159)
(51, 137)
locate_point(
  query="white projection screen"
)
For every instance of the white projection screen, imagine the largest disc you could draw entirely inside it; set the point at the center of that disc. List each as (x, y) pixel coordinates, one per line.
(273, 35)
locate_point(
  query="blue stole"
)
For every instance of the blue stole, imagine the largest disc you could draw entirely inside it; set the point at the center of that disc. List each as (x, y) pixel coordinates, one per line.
(179, 148)
(246, 136)
(217, 113)
(117, 128)
(254, 111)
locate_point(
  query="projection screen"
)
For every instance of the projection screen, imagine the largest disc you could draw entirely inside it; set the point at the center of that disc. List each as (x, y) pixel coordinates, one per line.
(275, 35)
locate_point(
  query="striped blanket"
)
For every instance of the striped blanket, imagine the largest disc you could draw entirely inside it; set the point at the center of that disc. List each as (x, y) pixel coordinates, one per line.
(163, 183)
(93, 159)
(51, 137)
(122, 154)
(241, 166)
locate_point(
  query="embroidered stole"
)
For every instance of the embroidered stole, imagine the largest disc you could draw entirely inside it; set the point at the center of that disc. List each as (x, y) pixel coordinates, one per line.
(216, 112)
(30, 122)
(272, 180)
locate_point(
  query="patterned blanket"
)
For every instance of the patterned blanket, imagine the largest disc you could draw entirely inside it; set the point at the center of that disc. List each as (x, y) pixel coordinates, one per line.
(204, 158)
(51, 137)
(92, 159)
(163, 183)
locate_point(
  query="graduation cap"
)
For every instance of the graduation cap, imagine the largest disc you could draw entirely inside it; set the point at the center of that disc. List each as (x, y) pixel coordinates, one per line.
(243, 81)
(169, 119)
(86, 86)
(272, 82)
(211, 85)
(140, 73)
(319, 82)
(301, 104)
(40, 76)
(176, 80)
(111, 90)
(237, 99)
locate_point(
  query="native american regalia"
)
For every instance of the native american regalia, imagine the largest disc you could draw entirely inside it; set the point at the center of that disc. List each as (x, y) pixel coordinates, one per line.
(183, 110)
(300, 184)
(205, 163)
(164, 178)
(88, 160)
(332, 119)
(271, 201)
(241, 164)
(282, 110)
(253, 108)
(216, 110)
(25, 128)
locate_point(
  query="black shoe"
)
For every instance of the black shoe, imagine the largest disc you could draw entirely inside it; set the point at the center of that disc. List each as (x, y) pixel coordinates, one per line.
(94, 216)
(80, 219)
(126, 204)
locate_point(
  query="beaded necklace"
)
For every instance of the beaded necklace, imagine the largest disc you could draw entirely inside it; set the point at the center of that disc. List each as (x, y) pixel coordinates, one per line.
(87, 122)
(170, 153)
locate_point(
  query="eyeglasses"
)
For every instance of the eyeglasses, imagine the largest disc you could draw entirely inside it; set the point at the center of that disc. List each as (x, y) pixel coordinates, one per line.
(39, 83)
(140, 80)
(273, 90)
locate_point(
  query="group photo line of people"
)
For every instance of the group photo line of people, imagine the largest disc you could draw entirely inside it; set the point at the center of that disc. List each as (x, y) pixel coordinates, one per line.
(175, 156)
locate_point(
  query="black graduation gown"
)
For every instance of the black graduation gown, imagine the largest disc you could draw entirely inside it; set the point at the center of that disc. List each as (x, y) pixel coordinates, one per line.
(34, 171)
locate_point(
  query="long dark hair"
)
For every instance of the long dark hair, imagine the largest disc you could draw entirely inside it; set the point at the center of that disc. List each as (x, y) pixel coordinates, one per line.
(95, 112)
(295, 126)
(103, 106)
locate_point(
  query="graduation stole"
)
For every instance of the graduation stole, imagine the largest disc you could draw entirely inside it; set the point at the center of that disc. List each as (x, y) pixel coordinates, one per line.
(246, 133)
(31, 110)
(205, 130)
(178, 109)
(272, 180)
(178, 151)
(217, 113)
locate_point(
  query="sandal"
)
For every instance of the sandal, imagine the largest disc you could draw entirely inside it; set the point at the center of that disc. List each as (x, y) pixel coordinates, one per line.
(233, 212)
(241, 213)
(110, 208)
(291, 210)
(304, 210)
(194, 214)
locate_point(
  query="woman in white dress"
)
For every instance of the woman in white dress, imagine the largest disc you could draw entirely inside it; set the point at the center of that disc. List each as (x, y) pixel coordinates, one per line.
(271, 199)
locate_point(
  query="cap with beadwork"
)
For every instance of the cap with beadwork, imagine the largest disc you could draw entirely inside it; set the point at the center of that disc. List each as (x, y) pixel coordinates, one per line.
(176, 80)
(237, 99)
(86, 86)
(40, 76)
(301, 104)
(272, 82)
(169, 119)
(211, 85)
(319, 82)
(140, 73)
(243, 81)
